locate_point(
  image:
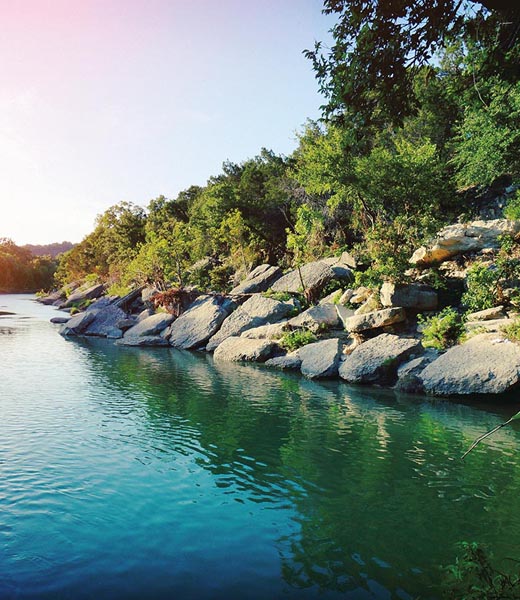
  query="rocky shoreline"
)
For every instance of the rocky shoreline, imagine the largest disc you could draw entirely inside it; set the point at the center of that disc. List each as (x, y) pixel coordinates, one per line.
(360, 335)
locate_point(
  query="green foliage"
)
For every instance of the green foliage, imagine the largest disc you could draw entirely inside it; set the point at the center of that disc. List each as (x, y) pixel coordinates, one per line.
(474, 577)
(292, 340)
(117, 289)
(481, 282)
(367, 73)
(306, 240)
(20, 271)
(487, 141)
(512, 209)
(512, 331)
(486, 283)
(442, 330)
(280, 296)
(106, 252)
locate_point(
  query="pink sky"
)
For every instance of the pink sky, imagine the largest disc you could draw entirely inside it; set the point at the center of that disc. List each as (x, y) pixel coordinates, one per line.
(103, 101)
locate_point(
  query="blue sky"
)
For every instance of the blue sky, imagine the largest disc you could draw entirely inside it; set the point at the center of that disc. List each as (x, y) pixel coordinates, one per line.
(110, 100)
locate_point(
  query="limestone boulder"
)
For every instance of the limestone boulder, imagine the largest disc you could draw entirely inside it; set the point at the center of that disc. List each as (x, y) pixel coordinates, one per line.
(360, 295)
(104, 321)
(237, 349)
(143, 340)
(255, 312)
(375, 319)
(320, 359)
(259, 280)
(288, 362)
(114, 333)
(147, 294)
(201, 321)
(90, 293)
(415, 296)
(377, 360)
(493, 325)
(315, 277)
(150, 326)
(346, 296)
(461, 238)
(344, 314)
(78, 323)
(408, 379)
(266, 332)
(145, 313)
(369, 305)
(316, 318)
(52, 298)
(125, 324)
(488, 314)
(485, 364)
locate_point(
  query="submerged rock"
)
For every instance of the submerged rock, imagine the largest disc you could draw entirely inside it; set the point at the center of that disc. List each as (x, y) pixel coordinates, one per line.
(485, 364)
(60, 320)
(377, 360)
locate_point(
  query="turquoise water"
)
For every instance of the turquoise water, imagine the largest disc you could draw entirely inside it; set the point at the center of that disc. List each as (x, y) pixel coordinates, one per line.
(132, 473)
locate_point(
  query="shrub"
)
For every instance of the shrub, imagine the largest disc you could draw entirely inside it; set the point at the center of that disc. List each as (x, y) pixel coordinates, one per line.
(441, 330)
(512, 209)
(481, 281)
(293, 340)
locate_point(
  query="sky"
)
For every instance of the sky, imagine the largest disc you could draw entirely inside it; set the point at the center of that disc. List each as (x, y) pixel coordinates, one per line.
(109, 100)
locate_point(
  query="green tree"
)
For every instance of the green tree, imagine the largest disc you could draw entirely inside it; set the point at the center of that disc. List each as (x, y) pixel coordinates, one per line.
(379, 46)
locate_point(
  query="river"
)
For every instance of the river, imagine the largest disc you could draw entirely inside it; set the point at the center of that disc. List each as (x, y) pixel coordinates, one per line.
(133, 473)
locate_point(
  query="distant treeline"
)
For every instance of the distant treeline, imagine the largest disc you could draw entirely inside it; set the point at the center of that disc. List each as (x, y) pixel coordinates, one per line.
(52, 250)
(21, 271)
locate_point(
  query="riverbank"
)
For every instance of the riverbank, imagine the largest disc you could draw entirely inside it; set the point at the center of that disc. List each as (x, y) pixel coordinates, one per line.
(112, 454)
(362, 335)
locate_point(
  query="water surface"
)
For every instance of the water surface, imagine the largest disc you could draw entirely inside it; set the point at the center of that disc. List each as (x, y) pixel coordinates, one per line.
(132, 473)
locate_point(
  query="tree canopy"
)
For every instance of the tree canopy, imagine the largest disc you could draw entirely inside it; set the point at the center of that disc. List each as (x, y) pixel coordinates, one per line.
(379, 47)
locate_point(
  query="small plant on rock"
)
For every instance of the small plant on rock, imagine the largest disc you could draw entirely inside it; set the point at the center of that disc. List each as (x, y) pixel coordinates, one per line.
(441, 330)
(512, 331)
(292, 340)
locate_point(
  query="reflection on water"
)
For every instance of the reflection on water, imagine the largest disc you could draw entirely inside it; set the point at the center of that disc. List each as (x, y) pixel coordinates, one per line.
(155, 473)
